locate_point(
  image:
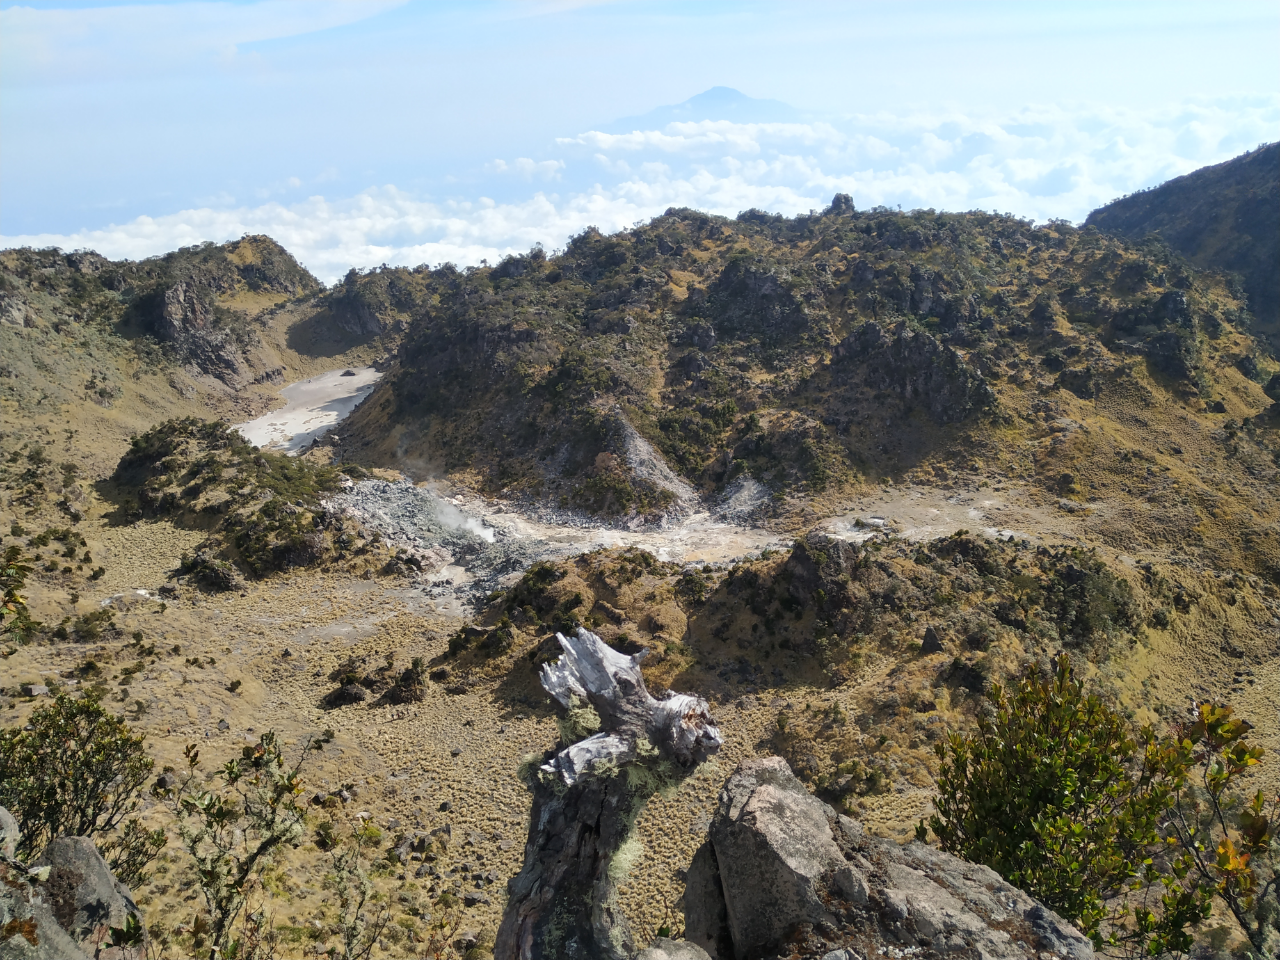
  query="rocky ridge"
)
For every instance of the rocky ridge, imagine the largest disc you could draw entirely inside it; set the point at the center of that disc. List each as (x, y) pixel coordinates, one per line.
(1220, 218)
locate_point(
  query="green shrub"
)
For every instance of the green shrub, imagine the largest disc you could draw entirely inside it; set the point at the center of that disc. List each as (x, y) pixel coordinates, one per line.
(78, 772)
(1054, 793)
(234, 832)
(210, 572)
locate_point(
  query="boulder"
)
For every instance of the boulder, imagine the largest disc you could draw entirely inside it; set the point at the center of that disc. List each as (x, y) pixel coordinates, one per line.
(9, 834)
(932, 642)
(28, 930)
(81, 891)
(345, 696)
(773, 846)
(665, 949)
(62, 906)
(780, 864)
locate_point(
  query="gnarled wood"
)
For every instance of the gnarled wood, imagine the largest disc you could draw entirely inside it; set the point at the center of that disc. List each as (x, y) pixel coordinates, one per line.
(585, 800)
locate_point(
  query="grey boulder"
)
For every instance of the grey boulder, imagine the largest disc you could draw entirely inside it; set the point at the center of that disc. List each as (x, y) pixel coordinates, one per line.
(82, 894)
(773, 846)
(9, 835)
(664, 949)
(780, 864)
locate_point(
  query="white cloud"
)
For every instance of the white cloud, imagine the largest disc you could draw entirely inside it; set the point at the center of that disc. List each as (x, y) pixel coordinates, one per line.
(527, 169)
(56, 45)
(1040, 162)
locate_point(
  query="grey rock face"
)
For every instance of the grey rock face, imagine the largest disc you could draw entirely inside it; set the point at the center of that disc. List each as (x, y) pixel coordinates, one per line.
(354, 316)
(184, 317)
(784, 864)
(81, 892)
(773, 847)
(14, 311)
(9, 835)
(664, 949)
(58, 907)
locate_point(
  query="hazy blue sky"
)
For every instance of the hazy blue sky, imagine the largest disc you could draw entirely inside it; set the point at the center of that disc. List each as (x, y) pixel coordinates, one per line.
(364, 132)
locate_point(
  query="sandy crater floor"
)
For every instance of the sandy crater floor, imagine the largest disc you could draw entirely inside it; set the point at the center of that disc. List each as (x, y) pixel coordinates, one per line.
(312, 408)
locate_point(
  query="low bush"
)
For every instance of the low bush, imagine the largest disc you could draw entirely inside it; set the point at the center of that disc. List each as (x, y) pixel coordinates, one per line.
(1127, 836)
(76, 771)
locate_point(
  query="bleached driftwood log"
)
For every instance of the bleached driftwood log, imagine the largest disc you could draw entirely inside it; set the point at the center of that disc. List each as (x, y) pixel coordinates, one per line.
(586, 797)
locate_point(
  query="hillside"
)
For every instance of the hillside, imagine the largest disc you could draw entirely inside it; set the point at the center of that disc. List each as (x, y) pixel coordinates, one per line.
(693, 357)
(838, 474)
(1220, 218)
(93, 351)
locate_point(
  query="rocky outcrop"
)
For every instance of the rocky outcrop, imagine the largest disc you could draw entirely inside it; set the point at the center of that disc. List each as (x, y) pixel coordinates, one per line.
(914, 365)
(182, 311)
(355, 316)
(64, 906)
(782, 874)
(14, 311)
(758, 298)
(183, 316)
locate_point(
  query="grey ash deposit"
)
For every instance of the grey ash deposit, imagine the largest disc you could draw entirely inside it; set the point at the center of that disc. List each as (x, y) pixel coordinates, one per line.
(432, 537)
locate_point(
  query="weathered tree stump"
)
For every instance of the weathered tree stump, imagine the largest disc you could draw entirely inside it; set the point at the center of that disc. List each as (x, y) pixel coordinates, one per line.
(586, 798)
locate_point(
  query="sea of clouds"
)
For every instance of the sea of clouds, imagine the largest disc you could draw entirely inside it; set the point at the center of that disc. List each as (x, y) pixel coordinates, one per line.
(1039, 162)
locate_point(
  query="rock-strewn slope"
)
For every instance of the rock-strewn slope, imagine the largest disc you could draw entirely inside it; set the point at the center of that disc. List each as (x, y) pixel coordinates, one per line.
(783, 875)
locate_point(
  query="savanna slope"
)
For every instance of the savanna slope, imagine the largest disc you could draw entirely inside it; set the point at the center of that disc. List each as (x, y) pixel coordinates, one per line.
(820, 353)
(1220, 218)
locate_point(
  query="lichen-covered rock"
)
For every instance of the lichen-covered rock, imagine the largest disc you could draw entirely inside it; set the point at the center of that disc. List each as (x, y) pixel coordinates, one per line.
(63, 906)
(83, 895)
(781, 865)
(28, 930)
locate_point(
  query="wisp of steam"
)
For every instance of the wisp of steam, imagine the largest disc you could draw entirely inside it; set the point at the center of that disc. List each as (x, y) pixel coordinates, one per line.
(450, 516)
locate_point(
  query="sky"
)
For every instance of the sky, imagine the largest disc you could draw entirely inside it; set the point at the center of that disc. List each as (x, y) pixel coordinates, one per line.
(362, 132)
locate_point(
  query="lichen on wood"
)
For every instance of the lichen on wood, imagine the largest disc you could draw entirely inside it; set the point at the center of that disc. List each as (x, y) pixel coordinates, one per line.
(587, 795)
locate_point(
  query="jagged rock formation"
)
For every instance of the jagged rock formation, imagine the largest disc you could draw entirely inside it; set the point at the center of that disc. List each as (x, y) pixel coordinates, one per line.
(586, 797)
(63, 906)
(783, 875)
(185, 319)
(177, 296)
(919, 369)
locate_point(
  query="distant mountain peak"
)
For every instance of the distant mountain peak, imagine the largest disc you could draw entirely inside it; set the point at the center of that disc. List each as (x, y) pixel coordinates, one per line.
(717, 103)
